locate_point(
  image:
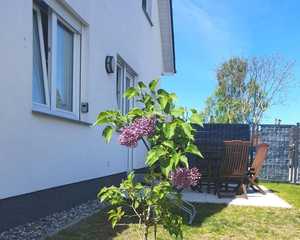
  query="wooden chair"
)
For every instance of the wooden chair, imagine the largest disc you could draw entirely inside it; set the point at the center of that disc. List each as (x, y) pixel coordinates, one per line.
(233, 167)
(260, 157)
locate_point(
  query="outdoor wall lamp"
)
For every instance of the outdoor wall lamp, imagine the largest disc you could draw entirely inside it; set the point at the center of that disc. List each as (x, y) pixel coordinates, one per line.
(110, 64)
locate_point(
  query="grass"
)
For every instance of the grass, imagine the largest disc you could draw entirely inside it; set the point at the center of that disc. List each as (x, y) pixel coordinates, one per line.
(212, 222)
(289, 192)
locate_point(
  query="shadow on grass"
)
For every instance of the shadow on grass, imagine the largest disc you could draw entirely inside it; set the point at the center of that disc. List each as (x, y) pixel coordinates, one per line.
(205, 211)
(97, 227)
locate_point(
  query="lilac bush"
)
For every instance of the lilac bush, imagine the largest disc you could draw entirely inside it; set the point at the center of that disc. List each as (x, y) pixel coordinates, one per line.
(168, 134)
(185, 177)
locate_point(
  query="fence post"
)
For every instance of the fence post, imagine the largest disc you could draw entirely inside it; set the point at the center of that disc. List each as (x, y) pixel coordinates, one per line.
(296, 159)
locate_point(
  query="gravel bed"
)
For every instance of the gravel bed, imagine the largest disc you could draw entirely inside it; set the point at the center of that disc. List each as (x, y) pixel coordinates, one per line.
(50, 225)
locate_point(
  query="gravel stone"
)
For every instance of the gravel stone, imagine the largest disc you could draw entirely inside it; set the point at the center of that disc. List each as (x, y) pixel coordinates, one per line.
(51, 224)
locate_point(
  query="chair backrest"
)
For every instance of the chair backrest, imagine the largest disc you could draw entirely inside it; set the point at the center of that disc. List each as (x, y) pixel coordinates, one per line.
(260, 157)
(235, 159)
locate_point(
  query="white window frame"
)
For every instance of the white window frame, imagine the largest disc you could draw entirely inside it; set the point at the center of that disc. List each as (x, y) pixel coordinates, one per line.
(40, 106)
(54, 15)
(127, 73)
(147, 8)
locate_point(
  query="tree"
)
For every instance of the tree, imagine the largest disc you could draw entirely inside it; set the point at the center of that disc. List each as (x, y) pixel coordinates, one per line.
(226, 105)
(247, 88)
(269, 79)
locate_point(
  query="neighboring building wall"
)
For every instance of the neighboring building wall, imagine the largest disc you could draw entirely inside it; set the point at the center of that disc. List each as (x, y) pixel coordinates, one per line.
(39, 151)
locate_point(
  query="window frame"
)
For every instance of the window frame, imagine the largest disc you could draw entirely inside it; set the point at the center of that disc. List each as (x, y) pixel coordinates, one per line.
(148, 10)
(40, 106)
(127, 73)
(54, 17)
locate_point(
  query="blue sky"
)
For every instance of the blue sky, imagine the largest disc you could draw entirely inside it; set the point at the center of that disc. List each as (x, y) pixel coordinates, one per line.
(207, 32)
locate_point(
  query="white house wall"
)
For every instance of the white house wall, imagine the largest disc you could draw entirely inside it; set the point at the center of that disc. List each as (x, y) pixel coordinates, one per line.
(38, 151)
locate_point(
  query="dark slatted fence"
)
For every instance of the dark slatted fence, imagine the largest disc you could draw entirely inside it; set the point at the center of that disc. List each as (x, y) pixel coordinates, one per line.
(210, 140)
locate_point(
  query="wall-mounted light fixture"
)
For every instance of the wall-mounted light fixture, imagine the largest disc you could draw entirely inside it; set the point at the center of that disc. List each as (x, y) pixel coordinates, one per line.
(110, 64)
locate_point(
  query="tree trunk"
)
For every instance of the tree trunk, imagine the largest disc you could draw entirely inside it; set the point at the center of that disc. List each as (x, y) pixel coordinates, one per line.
(146, 232)
(155, 231)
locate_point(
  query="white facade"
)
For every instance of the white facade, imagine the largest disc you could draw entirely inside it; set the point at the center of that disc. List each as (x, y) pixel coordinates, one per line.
(39, 151)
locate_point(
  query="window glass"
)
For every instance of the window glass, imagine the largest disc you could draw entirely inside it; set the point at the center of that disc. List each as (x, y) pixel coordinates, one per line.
(124, 80)
(119, 86)
(38, 90)
(64, 68)
(127, 101)
(44, 18)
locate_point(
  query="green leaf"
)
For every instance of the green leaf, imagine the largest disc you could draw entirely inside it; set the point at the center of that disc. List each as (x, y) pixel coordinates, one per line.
(130, 176)
(154, 155)
(196, 119)
(102, 118)
(153, 84)
(141, 85)
(102, 194)
(112, 117)
(147, 100)
(178, 112)
(115, 215)
(169, 129)
(162, 92)
(131, 92)
(135, 112)
(173, 96)
(192, 148)
(193, 110)
(163, 101)
(175, 159)
(187, 129)
(168, 143)
(166, 167)
(184, 160)
(107, 133)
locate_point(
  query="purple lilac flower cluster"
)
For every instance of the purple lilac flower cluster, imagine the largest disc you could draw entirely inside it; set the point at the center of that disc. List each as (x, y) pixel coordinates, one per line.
(145, 126)
(141, 127)
(185, 177)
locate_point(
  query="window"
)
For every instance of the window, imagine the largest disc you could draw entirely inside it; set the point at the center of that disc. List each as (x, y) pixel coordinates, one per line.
(125, 79)
(56, 63)
(147, 7)
(39, 77)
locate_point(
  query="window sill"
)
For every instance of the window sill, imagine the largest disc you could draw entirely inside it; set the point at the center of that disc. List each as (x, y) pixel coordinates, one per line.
(56, 115)
(148, 17)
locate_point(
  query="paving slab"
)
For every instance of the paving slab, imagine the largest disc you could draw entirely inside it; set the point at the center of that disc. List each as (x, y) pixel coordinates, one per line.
(270, 199)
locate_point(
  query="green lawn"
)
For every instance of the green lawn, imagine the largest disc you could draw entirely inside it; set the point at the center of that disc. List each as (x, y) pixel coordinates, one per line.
(289, 192)
(212, 222)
